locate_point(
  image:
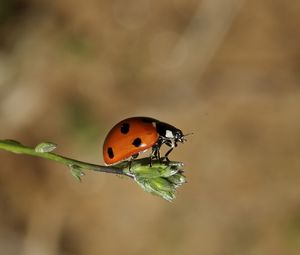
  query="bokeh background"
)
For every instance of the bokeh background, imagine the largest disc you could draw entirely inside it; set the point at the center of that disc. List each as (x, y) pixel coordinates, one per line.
(226, 70)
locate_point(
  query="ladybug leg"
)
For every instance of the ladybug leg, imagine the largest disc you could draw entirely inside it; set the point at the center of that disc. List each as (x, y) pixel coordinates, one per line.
(167, 154)
(158, 155)
(156, 150)
(172, 145)
(155, 154)
(131, 159)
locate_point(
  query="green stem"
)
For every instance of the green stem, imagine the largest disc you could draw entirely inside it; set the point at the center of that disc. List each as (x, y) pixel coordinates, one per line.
(16, 147)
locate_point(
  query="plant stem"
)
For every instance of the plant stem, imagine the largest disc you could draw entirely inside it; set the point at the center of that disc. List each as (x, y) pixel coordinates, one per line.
(16, 147)
(161, 178)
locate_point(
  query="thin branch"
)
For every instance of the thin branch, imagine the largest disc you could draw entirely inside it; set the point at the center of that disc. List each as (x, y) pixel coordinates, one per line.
(16, 147)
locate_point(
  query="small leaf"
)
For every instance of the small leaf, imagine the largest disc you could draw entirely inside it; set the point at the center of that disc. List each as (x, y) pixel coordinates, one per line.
(142, 169)
(45, 147)
(13, 142)
(178, 179)
(158, 186)
(145, 171)
(76, 172)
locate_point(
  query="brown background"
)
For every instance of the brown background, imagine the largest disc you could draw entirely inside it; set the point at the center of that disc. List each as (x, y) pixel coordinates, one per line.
(226, 70)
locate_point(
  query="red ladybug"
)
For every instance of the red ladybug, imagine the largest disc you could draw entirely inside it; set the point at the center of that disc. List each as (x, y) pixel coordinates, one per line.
(134, 135)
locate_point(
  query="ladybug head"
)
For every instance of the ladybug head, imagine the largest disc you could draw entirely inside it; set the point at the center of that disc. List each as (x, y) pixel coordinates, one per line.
(179, 136)
(170, 133)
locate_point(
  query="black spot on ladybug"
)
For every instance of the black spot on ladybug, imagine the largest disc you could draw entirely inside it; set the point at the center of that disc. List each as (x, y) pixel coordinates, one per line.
(125, 128)
(137, 142)
(110, 152)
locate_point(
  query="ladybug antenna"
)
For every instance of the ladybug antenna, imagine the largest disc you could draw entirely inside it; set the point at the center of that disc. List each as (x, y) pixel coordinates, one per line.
(184, 139)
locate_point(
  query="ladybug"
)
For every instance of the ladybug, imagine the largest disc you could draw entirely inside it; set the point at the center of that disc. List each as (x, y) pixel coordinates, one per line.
(128, 138)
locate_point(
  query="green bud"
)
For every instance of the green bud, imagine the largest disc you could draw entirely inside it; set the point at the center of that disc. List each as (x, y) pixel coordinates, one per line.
(156, 170)
(142, 169)
(45, 147)
(177, 179)
(158, 186)
(161, 178)
(76, 172)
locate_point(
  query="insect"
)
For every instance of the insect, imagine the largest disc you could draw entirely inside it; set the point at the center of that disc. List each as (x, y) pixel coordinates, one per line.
(128, 138)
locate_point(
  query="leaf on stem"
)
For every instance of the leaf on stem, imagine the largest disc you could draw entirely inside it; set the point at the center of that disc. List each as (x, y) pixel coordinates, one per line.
(76, 171)
(13, 142)
(45, 147)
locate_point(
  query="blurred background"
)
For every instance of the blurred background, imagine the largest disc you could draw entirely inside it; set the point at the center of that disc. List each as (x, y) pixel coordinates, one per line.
(228, 71)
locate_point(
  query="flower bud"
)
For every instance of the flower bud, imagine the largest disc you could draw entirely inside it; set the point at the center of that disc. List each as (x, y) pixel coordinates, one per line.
(161, 178)
(45, 147)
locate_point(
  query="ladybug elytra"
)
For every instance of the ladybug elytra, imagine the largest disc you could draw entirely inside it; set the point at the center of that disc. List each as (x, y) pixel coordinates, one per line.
(128, 138)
